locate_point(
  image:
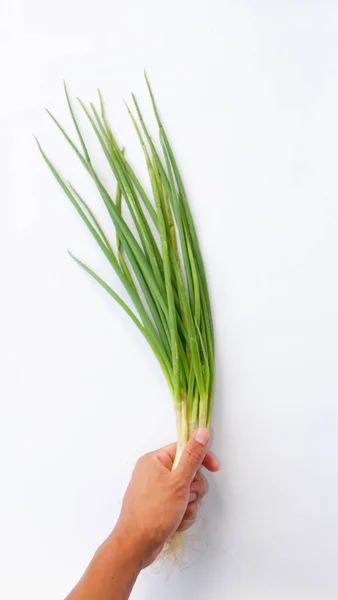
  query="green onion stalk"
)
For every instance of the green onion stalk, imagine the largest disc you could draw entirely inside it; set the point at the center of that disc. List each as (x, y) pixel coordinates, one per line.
(157, 258)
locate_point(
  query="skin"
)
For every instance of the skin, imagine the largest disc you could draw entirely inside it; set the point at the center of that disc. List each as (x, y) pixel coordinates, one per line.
(158, 502)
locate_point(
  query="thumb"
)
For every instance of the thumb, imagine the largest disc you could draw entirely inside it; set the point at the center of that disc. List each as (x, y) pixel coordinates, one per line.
(193, 454)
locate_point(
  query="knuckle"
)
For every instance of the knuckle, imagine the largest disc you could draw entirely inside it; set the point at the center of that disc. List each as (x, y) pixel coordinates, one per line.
(142, 460)
(194, 456)
(199, 486)
(203, 489)
(139, 462)
(180, 486)
(191, 512)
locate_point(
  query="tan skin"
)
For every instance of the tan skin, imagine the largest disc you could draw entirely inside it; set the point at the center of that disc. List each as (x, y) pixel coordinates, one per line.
(158, 502)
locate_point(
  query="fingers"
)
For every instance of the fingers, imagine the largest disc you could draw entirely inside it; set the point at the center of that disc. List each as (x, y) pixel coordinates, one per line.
(193, 454)
(198, 487)
(211, 463)
(167, 455)
(189, 517)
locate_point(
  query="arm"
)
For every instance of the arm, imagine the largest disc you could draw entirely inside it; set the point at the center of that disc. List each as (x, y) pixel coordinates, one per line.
(157, 503)
(112, 572)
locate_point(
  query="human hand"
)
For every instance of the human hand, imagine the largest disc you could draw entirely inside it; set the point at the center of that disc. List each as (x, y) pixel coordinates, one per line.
(158, 501)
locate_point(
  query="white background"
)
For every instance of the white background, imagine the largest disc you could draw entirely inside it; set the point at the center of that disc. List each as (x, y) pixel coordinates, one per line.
(249, 94)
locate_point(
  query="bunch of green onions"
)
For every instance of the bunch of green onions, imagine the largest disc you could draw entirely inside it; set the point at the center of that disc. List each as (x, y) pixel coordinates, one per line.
(163, 274)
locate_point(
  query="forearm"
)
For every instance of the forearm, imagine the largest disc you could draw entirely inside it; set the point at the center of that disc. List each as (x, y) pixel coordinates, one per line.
(112, 572)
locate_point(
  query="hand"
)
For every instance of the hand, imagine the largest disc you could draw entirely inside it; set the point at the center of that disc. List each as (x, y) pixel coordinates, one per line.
(158, 501)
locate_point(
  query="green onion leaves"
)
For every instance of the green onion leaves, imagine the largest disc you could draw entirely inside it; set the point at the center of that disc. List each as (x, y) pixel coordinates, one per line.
(157, 258)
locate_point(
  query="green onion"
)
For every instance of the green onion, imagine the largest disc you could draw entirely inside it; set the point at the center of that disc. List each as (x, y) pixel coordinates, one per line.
(163, 275)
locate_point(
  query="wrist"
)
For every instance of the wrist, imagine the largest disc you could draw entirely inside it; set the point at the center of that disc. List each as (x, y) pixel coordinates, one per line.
(134, 544)
(128, 546)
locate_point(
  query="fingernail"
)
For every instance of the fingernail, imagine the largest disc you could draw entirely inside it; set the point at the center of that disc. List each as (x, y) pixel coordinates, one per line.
(202, 436)
(192, 497)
